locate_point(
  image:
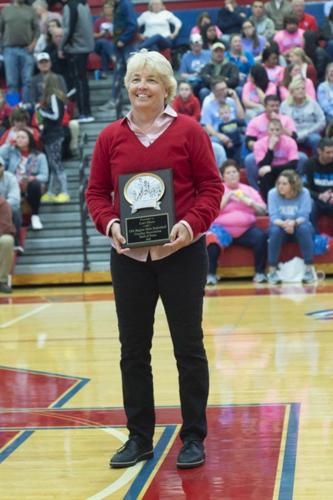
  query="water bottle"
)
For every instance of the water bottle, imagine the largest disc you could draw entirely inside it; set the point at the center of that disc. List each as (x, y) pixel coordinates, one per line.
(97, 74)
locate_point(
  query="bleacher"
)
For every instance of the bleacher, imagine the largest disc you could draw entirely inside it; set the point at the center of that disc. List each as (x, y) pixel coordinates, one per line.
(61, 252)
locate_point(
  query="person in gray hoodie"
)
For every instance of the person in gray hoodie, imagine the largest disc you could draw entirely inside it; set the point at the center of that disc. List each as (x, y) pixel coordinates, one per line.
(10, 191)
(77, 43)
(308, 116)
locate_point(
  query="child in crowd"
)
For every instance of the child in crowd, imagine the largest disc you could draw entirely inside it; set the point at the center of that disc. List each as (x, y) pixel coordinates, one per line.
(186, 103)
(19, 119)
(51, 110)
(232, 128)
(274, 153)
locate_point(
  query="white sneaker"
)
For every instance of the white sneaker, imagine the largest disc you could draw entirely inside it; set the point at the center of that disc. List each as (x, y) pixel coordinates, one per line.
(107, 106)
(259, 278)
(85, 119)
(212, 279)
(36, 223)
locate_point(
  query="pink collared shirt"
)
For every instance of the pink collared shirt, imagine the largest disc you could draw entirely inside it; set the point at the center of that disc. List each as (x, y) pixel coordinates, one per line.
(161, 123)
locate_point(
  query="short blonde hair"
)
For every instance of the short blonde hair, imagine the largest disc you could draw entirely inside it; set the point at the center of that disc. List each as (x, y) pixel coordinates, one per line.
(158, 64)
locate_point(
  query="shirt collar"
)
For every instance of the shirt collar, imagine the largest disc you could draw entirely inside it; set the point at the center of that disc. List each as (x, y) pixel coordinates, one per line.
(168, 110)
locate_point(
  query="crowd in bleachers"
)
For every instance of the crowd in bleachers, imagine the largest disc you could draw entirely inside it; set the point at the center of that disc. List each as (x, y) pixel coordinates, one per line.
(259, 82)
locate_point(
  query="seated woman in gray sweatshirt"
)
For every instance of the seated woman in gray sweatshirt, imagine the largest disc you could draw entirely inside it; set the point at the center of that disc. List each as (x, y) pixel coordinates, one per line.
(306, 113)
(289, 208)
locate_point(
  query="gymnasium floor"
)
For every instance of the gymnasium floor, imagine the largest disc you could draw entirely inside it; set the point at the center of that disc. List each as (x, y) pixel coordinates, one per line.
(270, 409)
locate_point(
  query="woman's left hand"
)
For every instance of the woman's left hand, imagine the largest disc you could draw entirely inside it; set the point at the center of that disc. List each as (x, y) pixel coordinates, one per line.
(179, 237)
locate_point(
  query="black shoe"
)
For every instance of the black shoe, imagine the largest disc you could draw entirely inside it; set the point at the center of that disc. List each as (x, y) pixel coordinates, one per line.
(191, 455)
(132, 452)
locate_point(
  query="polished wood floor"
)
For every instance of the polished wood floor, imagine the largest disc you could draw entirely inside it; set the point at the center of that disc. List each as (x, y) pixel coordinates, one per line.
(270, 408)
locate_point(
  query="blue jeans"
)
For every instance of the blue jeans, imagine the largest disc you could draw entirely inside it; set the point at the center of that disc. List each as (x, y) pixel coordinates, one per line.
(311, 141)
(105, 49)
(303, 235)
(251, 168)
(121, 56)
(19, 66)
(219, 153)
(155, 42)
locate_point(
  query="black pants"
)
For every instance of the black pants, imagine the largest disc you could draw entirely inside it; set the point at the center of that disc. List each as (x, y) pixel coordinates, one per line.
(319, 208)
(179, 280)
(79, 78)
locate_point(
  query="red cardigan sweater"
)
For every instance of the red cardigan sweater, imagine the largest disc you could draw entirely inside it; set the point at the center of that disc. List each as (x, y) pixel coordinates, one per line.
(184, 146)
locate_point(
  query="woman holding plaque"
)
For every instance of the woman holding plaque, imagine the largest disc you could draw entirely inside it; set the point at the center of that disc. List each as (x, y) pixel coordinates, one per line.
(153, 138)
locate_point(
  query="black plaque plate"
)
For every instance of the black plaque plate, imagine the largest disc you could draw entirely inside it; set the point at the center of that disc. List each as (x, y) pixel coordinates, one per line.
(147, 211)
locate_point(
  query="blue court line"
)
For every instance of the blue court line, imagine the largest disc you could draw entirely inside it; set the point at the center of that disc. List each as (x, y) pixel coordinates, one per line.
(150, 465)
(289, 459)
(8, 450)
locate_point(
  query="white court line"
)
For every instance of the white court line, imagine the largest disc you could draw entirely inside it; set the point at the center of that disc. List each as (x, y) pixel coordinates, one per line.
(24, 316)
(124, 478)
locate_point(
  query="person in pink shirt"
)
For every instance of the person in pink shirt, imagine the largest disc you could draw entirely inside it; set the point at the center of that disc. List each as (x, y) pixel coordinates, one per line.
(291, 36)
(273, 154)
(258, 128)
(237, 219)
(203, 19)
(255, 90)
(291, 72)
(270, 61)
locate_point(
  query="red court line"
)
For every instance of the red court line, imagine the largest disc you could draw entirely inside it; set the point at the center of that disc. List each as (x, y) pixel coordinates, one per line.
(210, 292)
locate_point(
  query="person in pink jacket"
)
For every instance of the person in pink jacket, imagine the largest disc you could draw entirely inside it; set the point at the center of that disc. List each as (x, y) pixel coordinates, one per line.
(274, 153)
(237, 220)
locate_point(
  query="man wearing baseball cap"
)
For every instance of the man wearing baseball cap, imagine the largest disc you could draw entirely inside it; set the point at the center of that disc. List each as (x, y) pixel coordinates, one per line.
(193, 61)
(218, 66)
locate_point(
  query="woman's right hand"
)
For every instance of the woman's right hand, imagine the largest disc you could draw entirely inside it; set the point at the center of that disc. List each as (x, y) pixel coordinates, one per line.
(117, 238)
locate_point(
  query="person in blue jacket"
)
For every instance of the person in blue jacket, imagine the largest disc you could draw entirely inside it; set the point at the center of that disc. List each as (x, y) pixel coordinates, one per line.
(124, 37)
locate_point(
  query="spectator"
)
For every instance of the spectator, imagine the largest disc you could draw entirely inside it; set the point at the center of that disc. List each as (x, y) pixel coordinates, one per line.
(44, 15)
(19, 31)
(258, 128)
(193, 61)
(308, 116)
(270, 61)
(5, 112)
(210, 37)
(60, 65)
(210, 113)
(243, 59)
(218, 67)
(263, 24)
(230, 19)
(239, 207)
(71, 128)
(31, 170)
(18, 119)
(326, 33)
(289, 207)
(203, 19)
(7, 232)
(290, 72)
(232, 129)
(255, 90)
(319, 180)
(10, 191)
(160, 27)
(103, 34)
(290, 36)
(298, 55)
(325, 93)
(186, 103)
(273, 154)
(305, 21)
(51, 109)
(77, 43)
(124, 38)
(277, 11)
(251, 41)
